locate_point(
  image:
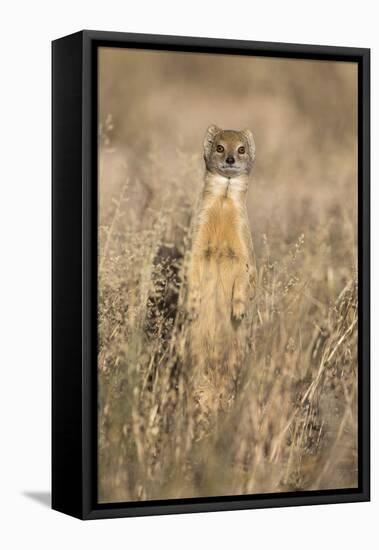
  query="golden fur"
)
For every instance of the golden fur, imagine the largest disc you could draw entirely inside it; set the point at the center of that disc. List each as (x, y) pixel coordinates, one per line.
(221, 277)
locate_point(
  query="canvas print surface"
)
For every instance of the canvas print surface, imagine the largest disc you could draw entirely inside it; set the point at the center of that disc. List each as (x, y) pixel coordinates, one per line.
(227, 275)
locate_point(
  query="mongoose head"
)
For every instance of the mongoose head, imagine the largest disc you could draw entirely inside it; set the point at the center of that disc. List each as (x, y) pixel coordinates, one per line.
(229, 153)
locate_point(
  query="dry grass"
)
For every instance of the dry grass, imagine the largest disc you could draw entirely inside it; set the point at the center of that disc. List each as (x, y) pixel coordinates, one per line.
(293, 425)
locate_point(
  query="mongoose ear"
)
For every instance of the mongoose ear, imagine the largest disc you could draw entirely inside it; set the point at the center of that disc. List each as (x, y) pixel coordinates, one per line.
(210, 134)
(250, 140)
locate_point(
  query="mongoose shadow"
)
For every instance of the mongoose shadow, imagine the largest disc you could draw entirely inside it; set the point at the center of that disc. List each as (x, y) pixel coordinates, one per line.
(162, 318)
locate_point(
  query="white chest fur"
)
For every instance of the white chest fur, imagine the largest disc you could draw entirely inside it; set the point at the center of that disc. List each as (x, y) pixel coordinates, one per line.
(231, 187)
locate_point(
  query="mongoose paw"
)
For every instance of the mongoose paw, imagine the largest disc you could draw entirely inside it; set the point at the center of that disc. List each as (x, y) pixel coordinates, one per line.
(238, 310)
(193, 307)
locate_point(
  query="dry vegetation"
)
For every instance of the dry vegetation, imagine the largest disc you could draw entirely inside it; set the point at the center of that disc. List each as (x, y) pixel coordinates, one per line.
(293, 425)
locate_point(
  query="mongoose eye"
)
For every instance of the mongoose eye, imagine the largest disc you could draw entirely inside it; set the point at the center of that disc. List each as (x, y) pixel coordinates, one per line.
(220, 149)
(241, 150)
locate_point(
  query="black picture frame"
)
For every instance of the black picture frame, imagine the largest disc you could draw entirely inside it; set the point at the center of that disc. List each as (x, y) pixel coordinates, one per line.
(74, 273)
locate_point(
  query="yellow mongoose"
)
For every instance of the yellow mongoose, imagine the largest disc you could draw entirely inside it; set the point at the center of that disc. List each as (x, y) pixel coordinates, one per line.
(222, 273)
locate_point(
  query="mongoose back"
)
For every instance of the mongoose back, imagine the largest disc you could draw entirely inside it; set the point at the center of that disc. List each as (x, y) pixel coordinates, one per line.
(222, 274)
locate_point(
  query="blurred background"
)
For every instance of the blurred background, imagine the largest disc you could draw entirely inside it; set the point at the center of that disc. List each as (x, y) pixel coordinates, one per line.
(295, 423)
(303, 115)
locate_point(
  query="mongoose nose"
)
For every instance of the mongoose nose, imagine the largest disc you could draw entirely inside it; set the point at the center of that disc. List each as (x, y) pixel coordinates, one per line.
(230, 160)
